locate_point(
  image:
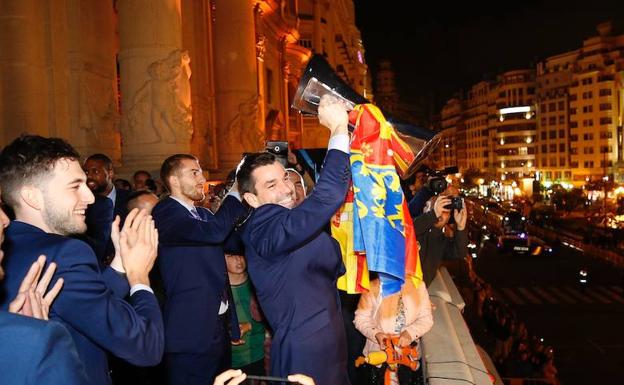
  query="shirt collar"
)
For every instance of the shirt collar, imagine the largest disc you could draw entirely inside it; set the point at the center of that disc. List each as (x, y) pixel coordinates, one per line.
(112, 195)
(190, 208)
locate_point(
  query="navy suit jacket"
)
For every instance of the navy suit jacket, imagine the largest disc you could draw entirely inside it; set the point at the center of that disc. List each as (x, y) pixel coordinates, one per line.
(294, 266)
(91, 304)
(35, 352)
(192, 267)
(121, 204)
(100, 216)
(99, 221)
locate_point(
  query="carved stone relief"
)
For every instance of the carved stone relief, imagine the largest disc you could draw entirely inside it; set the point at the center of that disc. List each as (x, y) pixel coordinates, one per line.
(98, 115)
(242, 131)
(260, 46)
(161, 108)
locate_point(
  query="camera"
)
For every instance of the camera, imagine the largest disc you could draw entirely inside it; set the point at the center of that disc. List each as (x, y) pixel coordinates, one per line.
(456, 204)
(279, 149)
(437, 178)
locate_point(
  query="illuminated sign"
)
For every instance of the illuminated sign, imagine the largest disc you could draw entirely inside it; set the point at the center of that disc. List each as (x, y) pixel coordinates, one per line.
(514, 110)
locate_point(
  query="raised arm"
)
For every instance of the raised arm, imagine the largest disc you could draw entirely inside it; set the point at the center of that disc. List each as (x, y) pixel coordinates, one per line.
(177, 227)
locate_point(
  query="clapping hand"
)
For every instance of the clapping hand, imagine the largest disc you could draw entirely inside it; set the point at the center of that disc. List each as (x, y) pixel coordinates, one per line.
(32, 299)
(138, 246)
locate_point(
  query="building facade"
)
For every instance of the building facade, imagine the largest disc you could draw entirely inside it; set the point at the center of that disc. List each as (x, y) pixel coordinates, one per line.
(559, 123)
(514, 124)
(140, 80)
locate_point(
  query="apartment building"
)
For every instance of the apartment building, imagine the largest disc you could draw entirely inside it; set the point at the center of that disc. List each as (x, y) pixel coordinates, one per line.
(559, 123)
(478, 142)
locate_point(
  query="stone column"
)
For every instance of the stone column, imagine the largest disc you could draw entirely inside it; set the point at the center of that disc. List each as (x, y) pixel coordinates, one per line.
(25, 95)
(155, 88)
(317, 32)
(236, 82)
(90, 51)
(285, 100)
(261, 41)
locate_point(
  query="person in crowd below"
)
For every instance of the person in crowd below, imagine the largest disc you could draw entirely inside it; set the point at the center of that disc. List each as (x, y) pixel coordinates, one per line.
(406, 314)
(293, 264)
(438, 239)
(236, 376)
(45, 186)
(142, 200)
(122, 184)
(249, 355)
(297, 181)
(192, 264)
(34, 351)
(100, 176)
(140, 178)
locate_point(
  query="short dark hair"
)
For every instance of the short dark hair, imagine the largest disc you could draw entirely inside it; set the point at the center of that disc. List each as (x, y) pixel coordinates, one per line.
(29, 160)
(171, 165)
(108, 163)
(151, 184)
(123, 182)
(246, 182)
(137, 173)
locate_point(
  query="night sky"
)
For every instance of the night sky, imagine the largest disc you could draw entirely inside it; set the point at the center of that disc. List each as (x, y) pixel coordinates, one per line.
(447, 46)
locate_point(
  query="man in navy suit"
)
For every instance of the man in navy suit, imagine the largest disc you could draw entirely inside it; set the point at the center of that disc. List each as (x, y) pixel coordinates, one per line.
(293, 263)
(192, 265)
(46, 188)
(100, 179)
(109, 203)
(34, 351)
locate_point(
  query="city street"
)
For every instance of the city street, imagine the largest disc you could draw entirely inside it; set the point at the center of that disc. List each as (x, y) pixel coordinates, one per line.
(585, 330)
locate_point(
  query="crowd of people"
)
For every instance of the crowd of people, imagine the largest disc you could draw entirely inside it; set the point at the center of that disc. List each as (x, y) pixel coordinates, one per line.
(516, 353)
(156, 273)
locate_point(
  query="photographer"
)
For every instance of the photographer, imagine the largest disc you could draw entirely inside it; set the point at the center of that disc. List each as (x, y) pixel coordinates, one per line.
(427, 183)
(438, 236)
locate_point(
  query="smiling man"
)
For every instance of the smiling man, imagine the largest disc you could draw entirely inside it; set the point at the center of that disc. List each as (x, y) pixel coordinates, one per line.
(45, 186)
(293, 263)
(192, 265)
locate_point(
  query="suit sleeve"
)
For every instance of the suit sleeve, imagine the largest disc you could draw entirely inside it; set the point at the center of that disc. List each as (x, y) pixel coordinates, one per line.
(132, 331)
(179, 228)
(58, 362)
(116, 281)
(288, 231)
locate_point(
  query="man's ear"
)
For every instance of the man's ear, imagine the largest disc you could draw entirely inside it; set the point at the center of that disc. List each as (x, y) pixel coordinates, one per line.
(251, 199)
(173, 182)
(31, 196)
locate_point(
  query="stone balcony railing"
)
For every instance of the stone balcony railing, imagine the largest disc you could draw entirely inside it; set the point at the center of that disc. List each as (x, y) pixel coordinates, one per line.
(450, 355)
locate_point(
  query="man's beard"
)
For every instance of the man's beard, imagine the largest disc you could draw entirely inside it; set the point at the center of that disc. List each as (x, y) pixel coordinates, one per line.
(99, 187)
(193, 194)
(61, 222)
